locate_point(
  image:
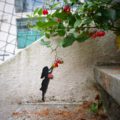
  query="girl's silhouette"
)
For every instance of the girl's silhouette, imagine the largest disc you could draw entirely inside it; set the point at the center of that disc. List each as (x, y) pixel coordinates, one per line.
(45, 74)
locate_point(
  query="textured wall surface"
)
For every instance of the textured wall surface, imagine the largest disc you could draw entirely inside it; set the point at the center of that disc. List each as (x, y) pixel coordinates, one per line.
(73, 81)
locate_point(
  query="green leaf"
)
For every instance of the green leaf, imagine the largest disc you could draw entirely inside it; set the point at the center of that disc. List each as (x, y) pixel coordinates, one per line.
(55, 5)
(86, 21)
(61, 26)
(62, 15)
(65, 1)
(61, 32)
(72, 20)
(67, 41)
(36, 11)
(47, 35)
(74, 1)
(76, 34)
(40, 11)
(77, 23)
(82, 37)
(94, 108)
(56, 12)
(46, 24)
(45, 43)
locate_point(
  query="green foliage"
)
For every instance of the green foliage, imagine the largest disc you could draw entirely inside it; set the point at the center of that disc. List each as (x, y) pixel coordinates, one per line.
(94, 108)
(46, 43)
(76, 24)
(67, 41)
(82, 37)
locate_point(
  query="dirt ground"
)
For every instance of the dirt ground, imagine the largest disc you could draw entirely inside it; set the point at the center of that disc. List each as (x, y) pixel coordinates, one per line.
(58, 112)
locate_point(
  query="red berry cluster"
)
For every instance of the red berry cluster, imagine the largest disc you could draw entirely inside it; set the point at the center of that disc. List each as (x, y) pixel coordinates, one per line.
(98, 34)
(57, 62)
(66, 9)
(45, 11)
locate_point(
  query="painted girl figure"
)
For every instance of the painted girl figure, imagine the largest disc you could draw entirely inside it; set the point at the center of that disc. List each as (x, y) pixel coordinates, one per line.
(47, 75)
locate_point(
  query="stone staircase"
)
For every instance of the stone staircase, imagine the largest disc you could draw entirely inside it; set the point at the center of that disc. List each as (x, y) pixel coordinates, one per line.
(108, 80)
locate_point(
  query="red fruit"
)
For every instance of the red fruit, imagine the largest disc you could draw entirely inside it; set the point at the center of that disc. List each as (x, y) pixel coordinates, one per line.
(58, 61)
(66, 9)
(98, 34)
(55, 65)
(45, 12)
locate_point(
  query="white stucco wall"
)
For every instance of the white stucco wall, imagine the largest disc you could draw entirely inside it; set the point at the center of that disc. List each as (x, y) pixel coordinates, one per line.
(73, 81)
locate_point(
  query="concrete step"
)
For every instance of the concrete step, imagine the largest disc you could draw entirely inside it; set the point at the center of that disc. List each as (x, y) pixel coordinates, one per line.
(108, 80)
(56, 111)
(42, 111)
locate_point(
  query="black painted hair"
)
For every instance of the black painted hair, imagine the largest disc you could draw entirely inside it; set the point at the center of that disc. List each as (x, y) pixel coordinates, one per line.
(45, 72)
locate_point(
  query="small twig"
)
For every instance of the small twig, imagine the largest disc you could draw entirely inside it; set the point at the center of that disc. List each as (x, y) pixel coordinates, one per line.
(55, 50)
